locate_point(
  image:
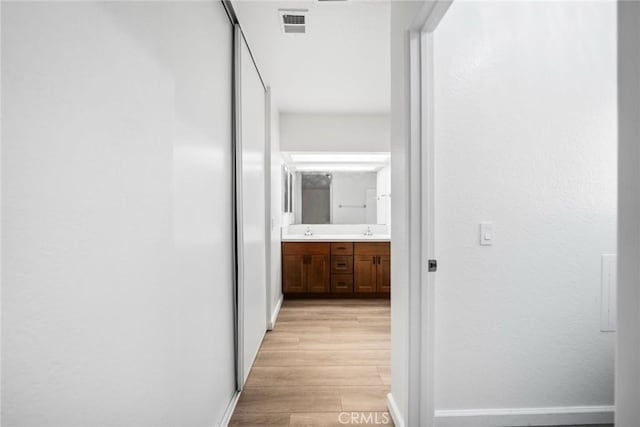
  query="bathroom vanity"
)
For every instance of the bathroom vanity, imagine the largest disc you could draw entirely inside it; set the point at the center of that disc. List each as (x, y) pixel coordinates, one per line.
(321, 267)
(335, 229)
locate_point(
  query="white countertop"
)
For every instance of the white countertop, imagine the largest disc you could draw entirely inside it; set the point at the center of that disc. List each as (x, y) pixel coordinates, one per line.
(336, 238)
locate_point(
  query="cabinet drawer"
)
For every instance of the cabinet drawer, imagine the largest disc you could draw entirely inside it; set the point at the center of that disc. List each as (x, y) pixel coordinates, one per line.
(342, 264)
(304, 248)
(372, 248)
(341, 283)
(342, 248)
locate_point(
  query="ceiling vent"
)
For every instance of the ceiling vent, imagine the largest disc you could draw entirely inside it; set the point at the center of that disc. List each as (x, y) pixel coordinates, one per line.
(293, 21)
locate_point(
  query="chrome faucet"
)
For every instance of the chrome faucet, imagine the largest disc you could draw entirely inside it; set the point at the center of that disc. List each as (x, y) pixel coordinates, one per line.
(308, 232)
(368, 232)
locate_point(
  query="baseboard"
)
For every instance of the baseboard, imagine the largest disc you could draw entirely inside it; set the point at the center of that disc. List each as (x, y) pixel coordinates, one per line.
(398, 421)
(514, 417)
(226, 418)
(274, 315)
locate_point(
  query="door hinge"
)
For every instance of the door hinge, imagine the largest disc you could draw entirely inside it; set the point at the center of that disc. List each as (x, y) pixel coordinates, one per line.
(433, 265)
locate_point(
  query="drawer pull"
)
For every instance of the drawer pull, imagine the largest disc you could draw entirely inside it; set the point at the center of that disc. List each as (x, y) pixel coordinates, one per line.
(341, 264)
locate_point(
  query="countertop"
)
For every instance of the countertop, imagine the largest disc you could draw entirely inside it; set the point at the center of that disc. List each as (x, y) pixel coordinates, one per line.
(336, 238)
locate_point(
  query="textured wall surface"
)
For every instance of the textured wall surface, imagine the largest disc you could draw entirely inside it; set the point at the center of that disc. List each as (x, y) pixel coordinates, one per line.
(526, 138)
(116, 186)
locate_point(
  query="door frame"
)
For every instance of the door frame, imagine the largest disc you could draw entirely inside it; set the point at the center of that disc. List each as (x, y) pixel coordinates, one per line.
(627, 388)
(421, 404)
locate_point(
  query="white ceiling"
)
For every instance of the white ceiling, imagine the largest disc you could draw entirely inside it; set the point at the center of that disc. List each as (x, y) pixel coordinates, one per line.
(340, 66)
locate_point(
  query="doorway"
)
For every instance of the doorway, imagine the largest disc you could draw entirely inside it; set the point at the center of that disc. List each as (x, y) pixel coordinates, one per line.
(532, 177)
(323, 356)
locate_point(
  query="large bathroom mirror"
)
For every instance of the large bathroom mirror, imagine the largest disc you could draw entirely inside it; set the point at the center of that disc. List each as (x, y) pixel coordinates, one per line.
(354, 188)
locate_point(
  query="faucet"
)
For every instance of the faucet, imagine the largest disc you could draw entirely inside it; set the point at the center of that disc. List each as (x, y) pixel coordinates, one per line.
(308, 232)
(368, 232)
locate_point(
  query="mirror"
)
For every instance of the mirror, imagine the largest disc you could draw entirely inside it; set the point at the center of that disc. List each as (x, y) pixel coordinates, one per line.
(287, 190)
(348, 192)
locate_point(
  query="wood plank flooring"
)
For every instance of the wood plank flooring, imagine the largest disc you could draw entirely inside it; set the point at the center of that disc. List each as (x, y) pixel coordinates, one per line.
(325, 364)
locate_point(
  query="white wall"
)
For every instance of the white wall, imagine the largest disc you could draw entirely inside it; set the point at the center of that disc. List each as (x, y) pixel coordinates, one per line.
(525, 131)
(275, 297)
(334, 132)
(253, 242)
(116, 179)
(350, 188)
(628, 350)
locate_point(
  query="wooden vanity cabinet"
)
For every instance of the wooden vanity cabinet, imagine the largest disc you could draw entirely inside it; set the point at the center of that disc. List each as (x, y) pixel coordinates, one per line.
(383, 277)
(365, 271)
(372, 267)
(305, 268)
(342, 283)
(336, 268)
(318, 278)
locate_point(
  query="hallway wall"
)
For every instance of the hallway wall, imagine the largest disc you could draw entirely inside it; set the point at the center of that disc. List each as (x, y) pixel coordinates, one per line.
(334, 132)
(525, 99)
(116, 208)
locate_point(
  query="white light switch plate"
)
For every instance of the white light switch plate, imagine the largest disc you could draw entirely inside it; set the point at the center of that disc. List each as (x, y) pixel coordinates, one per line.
(486, 233)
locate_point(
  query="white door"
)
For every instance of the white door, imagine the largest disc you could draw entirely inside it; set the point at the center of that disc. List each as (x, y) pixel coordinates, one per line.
(252, 245)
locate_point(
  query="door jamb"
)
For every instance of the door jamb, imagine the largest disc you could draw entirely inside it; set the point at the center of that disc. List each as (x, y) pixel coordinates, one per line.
(421, 316)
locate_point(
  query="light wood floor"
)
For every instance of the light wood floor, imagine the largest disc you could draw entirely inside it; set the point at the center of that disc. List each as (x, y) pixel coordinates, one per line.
(323, 358)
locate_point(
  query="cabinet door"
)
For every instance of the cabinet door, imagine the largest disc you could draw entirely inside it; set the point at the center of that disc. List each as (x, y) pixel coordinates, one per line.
(364, 273)
(318, 275)
(384, 274)
(293, 274)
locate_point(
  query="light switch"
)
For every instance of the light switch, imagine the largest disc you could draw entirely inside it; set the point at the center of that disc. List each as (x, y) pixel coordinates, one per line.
(486, 233)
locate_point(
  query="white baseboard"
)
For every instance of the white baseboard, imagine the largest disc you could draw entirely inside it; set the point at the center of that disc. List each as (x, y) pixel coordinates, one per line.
(398, 421)
(513, 417)
(226, 418)
(274, 315)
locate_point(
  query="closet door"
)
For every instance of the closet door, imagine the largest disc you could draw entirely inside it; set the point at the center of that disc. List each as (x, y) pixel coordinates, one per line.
(250, 175)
